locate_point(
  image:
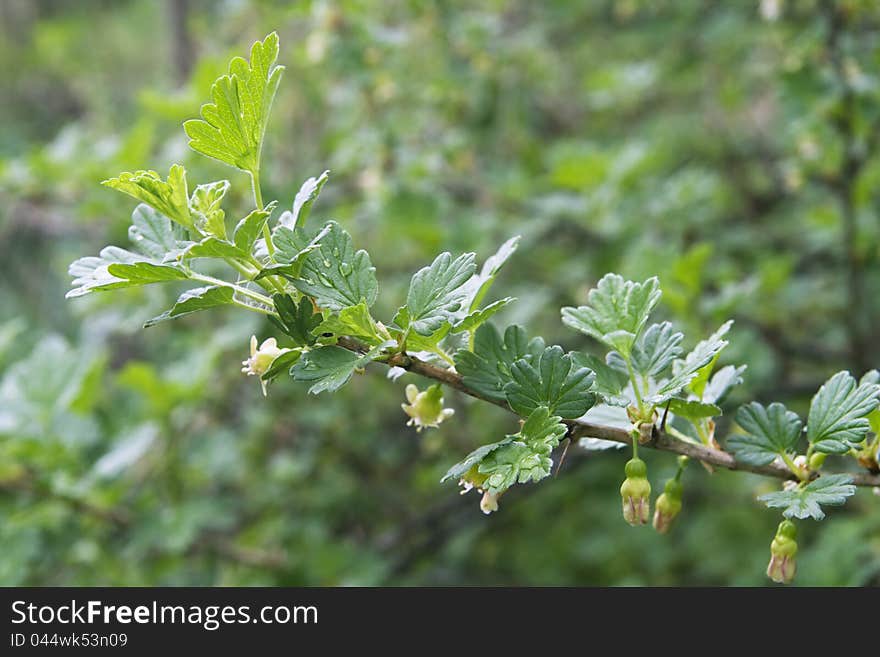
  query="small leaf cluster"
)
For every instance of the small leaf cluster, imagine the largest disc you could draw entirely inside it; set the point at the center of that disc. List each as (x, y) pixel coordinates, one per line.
(838, 422)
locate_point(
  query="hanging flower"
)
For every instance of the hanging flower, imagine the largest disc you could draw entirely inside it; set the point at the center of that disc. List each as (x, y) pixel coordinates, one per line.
(636, 493)
(262, 358)
(489, 503)
(668, 506)
(425, 408)
(783, 550)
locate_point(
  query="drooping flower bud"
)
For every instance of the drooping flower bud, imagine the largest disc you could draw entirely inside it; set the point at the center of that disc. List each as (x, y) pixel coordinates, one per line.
(489, 503)
(425, 408)
(636, 493)
(262, 358)
(783, 550)
(668, 506)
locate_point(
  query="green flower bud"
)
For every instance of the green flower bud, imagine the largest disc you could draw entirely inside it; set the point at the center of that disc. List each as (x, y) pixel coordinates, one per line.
(636, 493)
(425, 409)
(668, 506)
(783, 550)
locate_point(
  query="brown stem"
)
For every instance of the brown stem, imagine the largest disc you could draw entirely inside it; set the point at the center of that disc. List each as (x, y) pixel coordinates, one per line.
(583, 429)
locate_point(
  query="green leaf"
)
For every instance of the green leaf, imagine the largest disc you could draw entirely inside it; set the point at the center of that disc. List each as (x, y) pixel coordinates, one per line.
(282, 363)
(250, 228)
(527, 456)
(170, 197)
(610, 381)
(513, 463)
(655, 350)
(335, 275)
(552, 382)
(684, 370)
(117, 268)
(331, 367)
(233, 123)
(296, 320)
(693, 410)
(770, 432)
(291, 248)
(838, 418)
(616, 311)
(477, 287)
(427, 344)
(701, 379)
(302, 204)
(486, 369)
(458, 470)
(479, 317)
(542, 431)
(721, 383)
(194, 300)
(204, 204)
(153, 234)
(214, 247)
(436, 293)
(806, 501)
(354, 321)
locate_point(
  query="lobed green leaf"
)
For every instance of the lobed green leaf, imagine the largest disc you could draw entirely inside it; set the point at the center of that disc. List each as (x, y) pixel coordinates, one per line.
(334, 274)
(486, 369)
(296, 320)
(233, 124)
(553, 382)
(616, 311)
(170, 197)
(806, 501)
(838, 418)
(436, 292)
(204, 206)
(770, 431)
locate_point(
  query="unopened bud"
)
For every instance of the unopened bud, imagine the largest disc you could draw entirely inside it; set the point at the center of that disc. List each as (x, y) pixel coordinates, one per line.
(783, 550)
(668, 506)
(636, 493)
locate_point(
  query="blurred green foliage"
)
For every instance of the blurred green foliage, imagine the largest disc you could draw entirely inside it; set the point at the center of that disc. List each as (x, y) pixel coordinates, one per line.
(729, 148)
